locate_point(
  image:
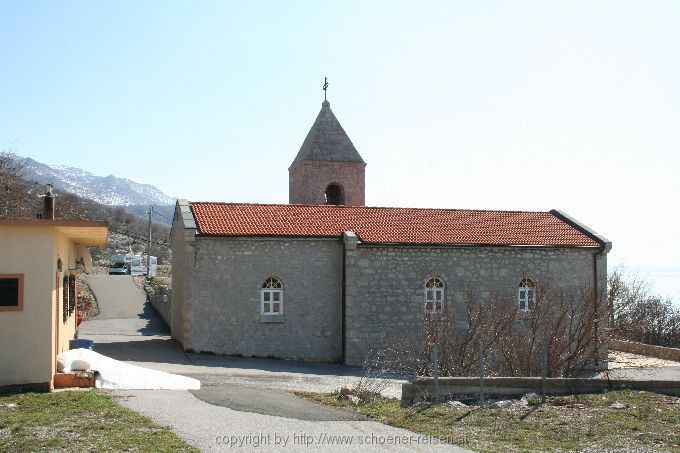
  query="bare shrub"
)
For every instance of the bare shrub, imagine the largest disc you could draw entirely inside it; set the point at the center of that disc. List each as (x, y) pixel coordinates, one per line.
(362, 393)
(565, 326)
(568, 326)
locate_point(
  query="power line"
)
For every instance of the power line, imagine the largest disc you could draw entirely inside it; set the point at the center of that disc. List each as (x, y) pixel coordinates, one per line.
(139, 238)
(135, 233)
(161, 215)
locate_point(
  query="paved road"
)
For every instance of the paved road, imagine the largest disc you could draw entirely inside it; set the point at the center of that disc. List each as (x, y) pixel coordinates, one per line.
(118, 296)
(217, 428)
(244, 399)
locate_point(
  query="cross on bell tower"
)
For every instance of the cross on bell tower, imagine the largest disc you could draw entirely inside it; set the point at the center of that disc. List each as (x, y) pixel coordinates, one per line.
(328, 169)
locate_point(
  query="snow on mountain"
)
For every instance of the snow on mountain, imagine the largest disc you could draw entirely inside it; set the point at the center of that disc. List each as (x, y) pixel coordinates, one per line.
(108, 190)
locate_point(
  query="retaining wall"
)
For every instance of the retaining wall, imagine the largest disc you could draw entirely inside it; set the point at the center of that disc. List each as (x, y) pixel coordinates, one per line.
(450, 388)
(634, 347)
(162, 303)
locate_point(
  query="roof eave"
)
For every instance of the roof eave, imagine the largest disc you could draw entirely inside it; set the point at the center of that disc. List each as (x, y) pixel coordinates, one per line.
(387, 244)
(604, 243)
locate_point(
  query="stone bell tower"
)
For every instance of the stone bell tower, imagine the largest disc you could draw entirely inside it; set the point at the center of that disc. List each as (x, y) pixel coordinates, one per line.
(327, 169)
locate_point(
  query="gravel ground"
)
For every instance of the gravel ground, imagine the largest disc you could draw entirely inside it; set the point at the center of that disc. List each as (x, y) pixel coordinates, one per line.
(619, 359)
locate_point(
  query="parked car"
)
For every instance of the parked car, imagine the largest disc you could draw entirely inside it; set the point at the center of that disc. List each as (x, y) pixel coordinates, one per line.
(119, 269)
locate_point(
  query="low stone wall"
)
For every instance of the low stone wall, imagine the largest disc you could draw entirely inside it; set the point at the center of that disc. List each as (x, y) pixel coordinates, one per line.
(450, 388)
(161, 302)
(634, 347)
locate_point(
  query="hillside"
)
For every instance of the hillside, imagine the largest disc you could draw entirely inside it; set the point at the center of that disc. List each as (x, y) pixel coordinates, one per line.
(107, 190)
(21, 199)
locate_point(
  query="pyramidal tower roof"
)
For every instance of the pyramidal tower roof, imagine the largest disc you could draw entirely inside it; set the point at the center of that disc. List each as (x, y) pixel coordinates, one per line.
(327, 141)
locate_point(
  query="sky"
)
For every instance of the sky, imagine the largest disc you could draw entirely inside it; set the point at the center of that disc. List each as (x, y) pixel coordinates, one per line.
(482, 105)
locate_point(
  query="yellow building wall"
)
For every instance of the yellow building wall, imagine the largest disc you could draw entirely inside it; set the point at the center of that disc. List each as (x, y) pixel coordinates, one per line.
(65, 250)
(26, 336)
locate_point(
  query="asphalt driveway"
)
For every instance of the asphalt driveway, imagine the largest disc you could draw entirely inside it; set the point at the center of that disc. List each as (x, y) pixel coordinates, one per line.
(243, 401)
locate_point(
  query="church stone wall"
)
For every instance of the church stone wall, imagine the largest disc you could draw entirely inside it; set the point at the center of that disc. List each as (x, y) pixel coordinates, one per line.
(385, 285)
(222, 309)
(308, 181)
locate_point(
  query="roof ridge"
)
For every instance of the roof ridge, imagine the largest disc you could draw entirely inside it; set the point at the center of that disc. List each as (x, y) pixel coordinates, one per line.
(369, 207)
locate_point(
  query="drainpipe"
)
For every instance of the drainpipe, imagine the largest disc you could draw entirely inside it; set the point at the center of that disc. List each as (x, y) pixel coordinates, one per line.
(350, 242)
(604, 247)
(344, 300)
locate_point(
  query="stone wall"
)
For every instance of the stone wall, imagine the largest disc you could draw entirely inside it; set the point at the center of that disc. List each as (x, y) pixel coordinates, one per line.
(163, 305)
(223, 277)
(182, 238)
(634, 347)
(385, 284)
(308, 181)
(451, 388)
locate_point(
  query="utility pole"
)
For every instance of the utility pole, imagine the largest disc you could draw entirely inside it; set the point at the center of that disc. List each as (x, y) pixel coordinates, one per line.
(7, 202)
(148, 246)
(481, 372)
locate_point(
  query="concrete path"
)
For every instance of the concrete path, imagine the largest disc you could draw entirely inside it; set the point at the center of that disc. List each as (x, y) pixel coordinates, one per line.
(243, 402)
(216, 428)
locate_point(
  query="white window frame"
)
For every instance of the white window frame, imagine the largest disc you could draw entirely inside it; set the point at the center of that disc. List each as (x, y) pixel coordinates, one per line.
(271, 289)
(434, 291)
(526, 294)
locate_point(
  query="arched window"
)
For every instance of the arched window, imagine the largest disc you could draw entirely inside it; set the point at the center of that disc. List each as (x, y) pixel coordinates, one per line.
(271, 297)
(434, 296)
(526, 294)
(335, 194)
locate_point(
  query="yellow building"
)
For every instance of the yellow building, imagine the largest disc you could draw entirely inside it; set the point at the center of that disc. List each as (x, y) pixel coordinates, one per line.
(39, 260)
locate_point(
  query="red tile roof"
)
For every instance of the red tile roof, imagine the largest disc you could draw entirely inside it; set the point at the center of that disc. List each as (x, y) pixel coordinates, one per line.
(389, 225)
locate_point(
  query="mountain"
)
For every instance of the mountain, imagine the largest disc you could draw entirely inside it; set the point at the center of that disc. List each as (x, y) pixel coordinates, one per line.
(107, 190)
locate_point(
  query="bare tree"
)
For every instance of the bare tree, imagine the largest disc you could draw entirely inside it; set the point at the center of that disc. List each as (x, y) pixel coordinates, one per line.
(638, 314)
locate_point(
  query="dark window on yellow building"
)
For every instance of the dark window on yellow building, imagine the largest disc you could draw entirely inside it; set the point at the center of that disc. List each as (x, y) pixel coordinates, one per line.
(11, 292)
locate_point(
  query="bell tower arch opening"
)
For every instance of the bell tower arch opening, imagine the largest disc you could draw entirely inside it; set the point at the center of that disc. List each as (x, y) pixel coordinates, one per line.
(334, 194)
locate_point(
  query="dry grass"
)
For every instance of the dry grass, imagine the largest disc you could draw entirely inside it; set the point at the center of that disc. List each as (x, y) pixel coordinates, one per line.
(648, 421)
(78, 421)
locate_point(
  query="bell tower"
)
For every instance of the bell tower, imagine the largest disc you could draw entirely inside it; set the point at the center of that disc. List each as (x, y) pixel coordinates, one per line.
(327, 169)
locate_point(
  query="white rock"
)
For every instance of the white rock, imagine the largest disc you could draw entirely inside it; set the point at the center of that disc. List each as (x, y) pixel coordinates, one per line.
(457, 404)
(617, 405)
(502, 403)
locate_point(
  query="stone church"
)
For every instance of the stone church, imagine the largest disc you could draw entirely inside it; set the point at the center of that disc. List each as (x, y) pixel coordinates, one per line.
(326, 277)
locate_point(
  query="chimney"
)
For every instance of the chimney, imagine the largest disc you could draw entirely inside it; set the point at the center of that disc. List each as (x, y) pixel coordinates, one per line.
(48, 203)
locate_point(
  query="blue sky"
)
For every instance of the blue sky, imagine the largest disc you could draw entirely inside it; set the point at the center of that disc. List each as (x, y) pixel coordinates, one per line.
(489, 105)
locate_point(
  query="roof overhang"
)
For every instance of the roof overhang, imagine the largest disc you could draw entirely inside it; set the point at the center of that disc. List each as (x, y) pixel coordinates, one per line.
(604, 243)
(84, 232)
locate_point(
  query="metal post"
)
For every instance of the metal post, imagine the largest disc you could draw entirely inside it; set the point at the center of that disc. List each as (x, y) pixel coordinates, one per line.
(435, 371)
(545, 362)
(481, 373)
(148, 247)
